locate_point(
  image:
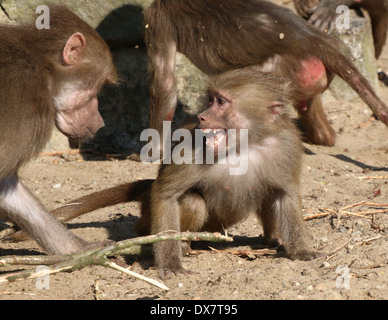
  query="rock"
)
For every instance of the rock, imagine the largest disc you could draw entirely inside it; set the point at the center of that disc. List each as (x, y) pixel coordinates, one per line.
(58, 142)
(320, 287)
(359, 47)
(3, 17)
(124, 108)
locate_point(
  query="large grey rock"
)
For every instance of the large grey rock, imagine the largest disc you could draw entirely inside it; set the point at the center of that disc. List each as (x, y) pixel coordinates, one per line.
(3, 17)
(359, 48)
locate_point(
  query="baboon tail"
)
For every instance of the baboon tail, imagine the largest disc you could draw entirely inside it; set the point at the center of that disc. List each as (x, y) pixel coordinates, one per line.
(127, 192)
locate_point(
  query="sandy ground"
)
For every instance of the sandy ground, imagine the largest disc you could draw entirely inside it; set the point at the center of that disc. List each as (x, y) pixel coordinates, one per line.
(331, 180)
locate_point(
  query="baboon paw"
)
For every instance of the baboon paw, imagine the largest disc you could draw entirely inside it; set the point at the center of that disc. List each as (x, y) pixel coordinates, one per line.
(168, 272)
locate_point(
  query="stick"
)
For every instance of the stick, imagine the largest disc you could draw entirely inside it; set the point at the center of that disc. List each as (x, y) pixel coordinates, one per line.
(114, 266)
(97, 256)
(31, 274)
(371, 239)
(343, 210)
(317, 215)
(372, 204)
(340, 247)
(33, 260)
(7, 232)
(78, 151)
(59, 153)
(375, 177)
(356, 214)
(355, 205)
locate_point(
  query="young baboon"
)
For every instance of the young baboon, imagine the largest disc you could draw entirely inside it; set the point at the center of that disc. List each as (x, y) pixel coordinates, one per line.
(207, 197)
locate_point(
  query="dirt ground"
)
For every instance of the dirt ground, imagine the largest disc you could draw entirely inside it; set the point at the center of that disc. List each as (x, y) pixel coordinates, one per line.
(331, 180)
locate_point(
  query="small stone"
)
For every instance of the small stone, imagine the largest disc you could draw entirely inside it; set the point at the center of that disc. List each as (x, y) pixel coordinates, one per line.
(320, 287)
(306, 272)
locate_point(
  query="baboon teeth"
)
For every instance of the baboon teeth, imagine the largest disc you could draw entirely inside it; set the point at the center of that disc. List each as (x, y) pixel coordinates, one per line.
(214, 136)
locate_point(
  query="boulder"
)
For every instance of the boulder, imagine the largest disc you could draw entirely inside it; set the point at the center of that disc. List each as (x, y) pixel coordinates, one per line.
(359, 47)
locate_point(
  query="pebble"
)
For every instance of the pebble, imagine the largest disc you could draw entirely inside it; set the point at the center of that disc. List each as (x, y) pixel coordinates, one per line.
(334, 295)
(359, 223)
(57, 186)
(320, 286)
(306, 272)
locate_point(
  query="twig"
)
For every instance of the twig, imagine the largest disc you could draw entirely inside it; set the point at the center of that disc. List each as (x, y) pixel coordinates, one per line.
(361, 213)
(8, 232)
(31, 274)
(317, 215)
(340, 247)
(354, 205)
(372, 204)
(79, 151)
(59, 153)
(379, 236)
(344, 210)
(97, 289)
(96, 256)
(242, 253)
(33, 260)
(114, 266)
(356, 214)
(375, 177)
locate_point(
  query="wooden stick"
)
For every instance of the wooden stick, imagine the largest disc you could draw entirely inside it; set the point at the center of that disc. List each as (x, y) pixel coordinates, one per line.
(355, 205)
(372, 204)
(114, 266)
(379, 236)
(340, 247)
(343, 210)
(371, 212)
(356, 214)
(7, 232)
(375, 177)
(79, 151)
(96, 256)
(59, 153)
(317, 215)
